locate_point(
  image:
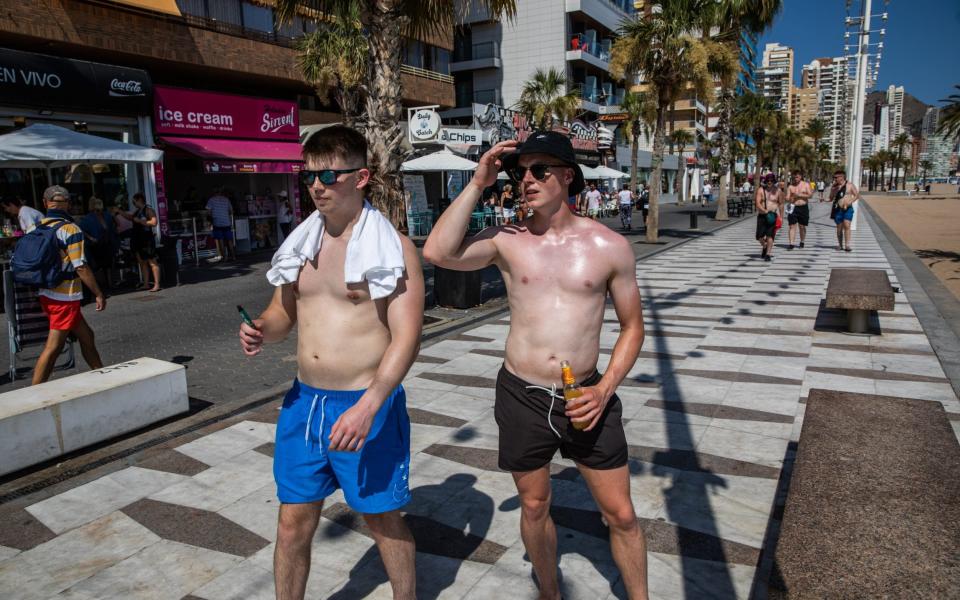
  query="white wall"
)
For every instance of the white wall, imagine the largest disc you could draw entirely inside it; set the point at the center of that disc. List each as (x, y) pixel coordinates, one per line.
(535, 39)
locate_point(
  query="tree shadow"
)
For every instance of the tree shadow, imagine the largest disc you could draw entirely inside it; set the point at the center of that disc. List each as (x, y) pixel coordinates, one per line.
(450, 521)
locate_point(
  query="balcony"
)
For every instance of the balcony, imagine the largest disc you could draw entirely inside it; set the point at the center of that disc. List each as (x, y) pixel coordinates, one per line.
(481, 56)
(600, 101)
(432, 75)
(609, 13)
(690, 105)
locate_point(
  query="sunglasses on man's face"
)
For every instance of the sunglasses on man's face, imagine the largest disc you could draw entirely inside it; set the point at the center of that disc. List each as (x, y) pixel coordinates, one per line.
(538, 171)
(326, 176)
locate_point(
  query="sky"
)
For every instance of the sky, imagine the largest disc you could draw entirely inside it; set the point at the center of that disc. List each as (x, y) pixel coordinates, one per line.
(921, 49)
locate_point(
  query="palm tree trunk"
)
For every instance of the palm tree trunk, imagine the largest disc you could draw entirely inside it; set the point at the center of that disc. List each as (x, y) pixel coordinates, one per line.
(634, 155)
(757, 168)
(656, 175)
(384, 111)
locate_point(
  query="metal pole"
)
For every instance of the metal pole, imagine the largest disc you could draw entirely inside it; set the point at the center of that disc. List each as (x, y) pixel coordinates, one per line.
(196, 245)
(854, 165)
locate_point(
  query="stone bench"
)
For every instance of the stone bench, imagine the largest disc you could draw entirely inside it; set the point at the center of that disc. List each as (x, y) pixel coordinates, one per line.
(873, 507)
(859, 291)
(51, 419)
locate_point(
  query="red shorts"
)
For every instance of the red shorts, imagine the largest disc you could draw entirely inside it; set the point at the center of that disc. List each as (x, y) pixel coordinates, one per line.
(63, 314)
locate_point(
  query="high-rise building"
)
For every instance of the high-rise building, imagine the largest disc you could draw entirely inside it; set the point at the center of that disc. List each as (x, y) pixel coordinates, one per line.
(805, 106)
(775, 77)
(895, 101)
(829, 77)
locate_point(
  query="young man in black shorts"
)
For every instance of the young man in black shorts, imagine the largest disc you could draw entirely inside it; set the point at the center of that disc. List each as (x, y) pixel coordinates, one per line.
(557, 301)
(798, 212)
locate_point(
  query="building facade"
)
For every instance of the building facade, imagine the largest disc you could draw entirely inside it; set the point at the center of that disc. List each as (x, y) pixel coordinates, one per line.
(775, 76)
(829, 77)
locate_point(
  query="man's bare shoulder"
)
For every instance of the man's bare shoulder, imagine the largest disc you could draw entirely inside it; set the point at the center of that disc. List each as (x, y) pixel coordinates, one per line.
(606, 238)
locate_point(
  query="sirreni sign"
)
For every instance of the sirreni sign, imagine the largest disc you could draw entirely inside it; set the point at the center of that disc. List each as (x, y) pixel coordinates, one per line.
(44, 82)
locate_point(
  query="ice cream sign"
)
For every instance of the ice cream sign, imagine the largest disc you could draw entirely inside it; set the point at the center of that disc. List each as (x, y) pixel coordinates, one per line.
(193, 113)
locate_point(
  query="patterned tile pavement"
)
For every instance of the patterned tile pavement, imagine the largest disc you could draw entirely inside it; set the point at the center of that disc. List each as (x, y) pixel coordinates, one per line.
(733, 347)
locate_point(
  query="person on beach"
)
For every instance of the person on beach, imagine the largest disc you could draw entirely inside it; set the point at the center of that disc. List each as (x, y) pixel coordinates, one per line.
(548, 282)
(845, 195)
(799, 193)
(354, 287)
(769, 203)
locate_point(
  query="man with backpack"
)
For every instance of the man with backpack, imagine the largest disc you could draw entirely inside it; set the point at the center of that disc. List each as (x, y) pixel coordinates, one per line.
(51, 258)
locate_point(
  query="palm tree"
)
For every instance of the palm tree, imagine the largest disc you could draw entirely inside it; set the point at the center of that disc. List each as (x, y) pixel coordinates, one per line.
(949, 125)
(752, 116)
(548, 96)
(641, 113)
(387, 24)
(925, 165)
(816, 130)
(671, 61)
(731, 18)
(899, 142)
(884, 157)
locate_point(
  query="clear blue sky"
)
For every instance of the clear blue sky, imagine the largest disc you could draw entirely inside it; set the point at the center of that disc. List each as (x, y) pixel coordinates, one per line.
(921, 49)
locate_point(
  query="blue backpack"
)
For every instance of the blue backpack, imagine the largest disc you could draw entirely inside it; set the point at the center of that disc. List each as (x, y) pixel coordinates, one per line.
(37, 260)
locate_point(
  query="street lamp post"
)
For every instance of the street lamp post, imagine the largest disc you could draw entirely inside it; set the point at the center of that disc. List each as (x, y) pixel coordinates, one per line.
(854, 160)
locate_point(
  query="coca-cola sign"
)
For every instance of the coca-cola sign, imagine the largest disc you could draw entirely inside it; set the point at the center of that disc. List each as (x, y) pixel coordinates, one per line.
(130, 87)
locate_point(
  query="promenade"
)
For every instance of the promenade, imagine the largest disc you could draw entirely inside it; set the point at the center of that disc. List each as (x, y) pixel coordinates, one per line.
(712, 411)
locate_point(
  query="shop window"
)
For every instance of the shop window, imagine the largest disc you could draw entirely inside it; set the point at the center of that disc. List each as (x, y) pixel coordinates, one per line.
(226, 11)
(258, 18)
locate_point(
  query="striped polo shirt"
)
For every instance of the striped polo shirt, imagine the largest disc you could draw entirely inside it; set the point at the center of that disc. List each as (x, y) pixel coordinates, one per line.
(70, 241)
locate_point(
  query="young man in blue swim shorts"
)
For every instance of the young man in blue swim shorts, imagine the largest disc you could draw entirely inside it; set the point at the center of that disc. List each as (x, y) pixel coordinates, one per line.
(845, 194)
(354, 288)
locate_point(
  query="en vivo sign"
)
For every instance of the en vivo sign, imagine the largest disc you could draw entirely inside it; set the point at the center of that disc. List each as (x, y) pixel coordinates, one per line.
(189, 112)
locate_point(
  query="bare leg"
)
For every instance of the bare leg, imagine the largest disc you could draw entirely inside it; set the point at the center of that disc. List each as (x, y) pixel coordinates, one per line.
(144, 273)
(87, 346)
(840, 235)
(55, 341)
(803, 234)
(397, 550)
(611, 490)
(537, 529)
(291, 559)
(792, 234)
(846, 232)
(155, 270)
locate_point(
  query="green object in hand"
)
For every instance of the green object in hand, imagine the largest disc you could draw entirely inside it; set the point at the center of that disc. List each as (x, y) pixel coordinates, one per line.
(246, 318)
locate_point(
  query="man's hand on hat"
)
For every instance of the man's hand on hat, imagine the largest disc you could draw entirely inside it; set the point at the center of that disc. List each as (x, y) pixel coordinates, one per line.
(490, 163)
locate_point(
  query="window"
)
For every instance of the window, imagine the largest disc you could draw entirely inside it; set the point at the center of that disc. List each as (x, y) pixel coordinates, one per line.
(227, 11)
(414, 56)
(197, 8)
(258, 18)
(293, 29)
(439, 60)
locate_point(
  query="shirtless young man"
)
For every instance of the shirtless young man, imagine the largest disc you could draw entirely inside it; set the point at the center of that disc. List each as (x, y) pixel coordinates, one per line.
(558, 269)
(844, 195)
(345, 417)
(798, 194)
(768, 201)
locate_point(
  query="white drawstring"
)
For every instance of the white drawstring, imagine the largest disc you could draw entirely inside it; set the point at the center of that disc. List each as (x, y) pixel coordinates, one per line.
(552, 391)
(313, 407)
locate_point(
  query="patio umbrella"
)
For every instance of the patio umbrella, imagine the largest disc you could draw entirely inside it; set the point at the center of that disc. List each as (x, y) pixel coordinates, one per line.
(589, 172)
(444, 160)
(606, 172)
(48, 146)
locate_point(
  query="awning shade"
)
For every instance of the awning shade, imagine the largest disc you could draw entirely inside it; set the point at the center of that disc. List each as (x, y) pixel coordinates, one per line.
(237, 149)
(606, 172)
(168, 7)
(444, 160)
(44, 145)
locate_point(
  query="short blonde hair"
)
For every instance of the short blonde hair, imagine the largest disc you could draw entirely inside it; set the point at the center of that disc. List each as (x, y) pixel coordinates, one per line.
(95, 204)
(508, 188)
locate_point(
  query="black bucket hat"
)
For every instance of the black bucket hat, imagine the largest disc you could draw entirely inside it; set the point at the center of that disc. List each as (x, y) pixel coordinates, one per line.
(553, 144)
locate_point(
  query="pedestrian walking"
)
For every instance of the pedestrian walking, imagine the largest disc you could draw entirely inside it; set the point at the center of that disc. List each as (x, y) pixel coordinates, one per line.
(707, 192)
(625, 205)
(797, 209)
(221, 217)
(594, 197)
(353, 286)
(143, 243)
(769, 205)
(508, 204)
(27, 217)
(845, 195)
(284, 214)
(61, 302)
(549, 282)
(99, 234)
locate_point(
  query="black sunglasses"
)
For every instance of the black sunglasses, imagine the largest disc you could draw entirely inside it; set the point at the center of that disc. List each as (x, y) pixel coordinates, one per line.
(538, 171)
(326, 176)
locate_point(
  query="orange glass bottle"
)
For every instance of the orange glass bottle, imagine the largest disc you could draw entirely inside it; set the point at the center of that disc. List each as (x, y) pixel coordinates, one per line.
(571, 389)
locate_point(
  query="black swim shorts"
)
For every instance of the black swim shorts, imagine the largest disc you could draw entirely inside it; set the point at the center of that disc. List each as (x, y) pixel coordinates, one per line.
(800, 214)
(527, 441)
(764, 227)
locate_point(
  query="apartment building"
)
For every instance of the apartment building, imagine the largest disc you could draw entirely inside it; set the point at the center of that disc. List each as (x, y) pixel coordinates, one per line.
(829, 77)
(775, 76)
(804, 106)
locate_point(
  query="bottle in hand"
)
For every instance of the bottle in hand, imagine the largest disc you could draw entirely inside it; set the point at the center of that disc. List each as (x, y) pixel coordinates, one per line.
(571, 389)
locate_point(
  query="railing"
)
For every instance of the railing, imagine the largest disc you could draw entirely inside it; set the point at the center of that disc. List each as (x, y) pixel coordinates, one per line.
(409, 70)
(234, 30)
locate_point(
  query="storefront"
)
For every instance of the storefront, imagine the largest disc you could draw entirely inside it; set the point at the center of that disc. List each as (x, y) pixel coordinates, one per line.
(103, 100)
(244, 148)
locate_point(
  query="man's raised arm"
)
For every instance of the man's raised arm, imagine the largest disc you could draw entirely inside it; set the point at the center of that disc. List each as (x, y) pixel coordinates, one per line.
(446, 247)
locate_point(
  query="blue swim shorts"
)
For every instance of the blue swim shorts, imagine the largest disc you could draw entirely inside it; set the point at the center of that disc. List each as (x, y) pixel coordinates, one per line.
(843, 215)
(374, 480)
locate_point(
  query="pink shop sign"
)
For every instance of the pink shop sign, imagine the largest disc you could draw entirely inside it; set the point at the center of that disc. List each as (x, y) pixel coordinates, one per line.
(178, 111)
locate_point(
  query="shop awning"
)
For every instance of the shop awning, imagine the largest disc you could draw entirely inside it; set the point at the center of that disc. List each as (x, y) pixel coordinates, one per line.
(217, 149)
(168, 7)
(44, 145)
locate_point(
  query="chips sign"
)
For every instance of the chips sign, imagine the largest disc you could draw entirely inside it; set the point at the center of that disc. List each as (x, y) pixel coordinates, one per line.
(424, 125)
(461, 137)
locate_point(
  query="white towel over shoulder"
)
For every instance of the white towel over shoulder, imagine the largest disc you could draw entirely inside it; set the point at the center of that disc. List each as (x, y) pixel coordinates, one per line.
(374, 252)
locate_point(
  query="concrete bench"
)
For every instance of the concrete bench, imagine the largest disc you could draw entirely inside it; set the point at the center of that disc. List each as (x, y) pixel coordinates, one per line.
(873, 507)
(48, 420)
(859, 291)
